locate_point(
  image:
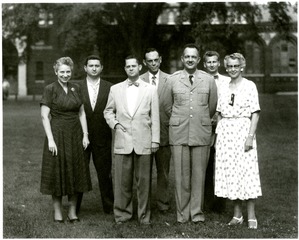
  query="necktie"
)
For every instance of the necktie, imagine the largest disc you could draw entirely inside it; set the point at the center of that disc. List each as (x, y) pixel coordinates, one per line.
(154, 80)
(190, 79)
(216, 77)
(94, 98)
(133, 83)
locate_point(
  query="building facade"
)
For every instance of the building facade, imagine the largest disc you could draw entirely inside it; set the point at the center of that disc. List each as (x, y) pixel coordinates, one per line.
(271, 58)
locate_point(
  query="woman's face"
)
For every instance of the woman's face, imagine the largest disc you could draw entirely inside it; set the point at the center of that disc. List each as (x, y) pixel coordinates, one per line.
(234, 68)
(64, 73)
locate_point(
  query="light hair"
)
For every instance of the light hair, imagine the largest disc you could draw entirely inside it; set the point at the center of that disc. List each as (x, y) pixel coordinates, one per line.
(234, 56)
(63, 61)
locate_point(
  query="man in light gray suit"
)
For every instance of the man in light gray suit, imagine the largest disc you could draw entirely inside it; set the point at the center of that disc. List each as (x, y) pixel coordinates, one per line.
(133, 111)
(152, 60)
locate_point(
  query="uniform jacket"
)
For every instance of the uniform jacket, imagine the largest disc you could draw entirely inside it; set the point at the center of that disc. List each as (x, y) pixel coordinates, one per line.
(142, 128)
(99, 131)
(190, 108)
(164, 119)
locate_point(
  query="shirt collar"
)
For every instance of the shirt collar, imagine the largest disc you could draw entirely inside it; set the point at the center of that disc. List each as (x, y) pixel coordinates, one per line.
(97, 83)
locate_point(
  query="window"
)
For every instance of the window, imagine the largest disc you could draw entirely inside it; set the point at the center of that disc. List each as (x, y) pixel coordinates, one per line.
(254, 59)
(39, 71)
(284, 57)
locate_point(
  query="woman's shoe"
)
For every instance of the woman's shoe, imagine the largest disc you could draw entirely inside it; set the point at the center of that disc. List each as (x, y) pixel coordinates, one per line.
(236, 221)
(73, 220)
(252, 224)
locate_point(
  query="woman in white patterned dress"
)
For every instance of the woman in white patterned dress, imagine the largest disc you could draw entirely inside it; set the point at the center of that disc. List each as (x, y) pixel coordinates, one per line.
(236, 169)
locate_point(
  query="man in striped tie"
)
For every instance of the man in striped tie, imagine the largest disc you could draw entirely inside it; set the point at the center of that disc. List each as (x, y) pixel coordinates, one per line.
(152, 60)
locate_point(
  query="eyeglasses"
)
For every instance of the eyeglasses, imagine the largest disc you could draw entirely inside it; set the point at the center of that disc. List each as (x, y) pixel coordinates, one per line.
(232, 66)
(232, 99)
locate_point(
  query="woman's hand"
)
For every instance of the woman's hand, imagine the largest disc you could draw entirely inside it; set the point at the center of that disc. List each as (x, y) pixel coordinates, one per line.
(52, 147)
(85, 141)
(248, 143)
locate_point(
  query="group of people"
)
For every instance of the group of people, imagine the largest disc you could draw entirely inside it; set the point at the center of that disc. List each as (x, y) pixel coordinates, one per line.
(205, 122)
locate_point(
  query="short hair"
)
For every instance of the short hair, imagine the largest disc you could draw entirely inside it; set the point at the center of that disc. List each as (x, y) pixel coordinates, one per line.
(211, 54)
(148, 50)
(191, 45)
(132, 57)
(63, 61)
(92, 57)
(234, 56)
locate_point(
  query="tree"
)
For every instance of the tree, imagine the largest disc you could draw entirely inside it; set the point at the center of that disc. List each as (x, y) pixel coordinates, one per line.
(220, 22)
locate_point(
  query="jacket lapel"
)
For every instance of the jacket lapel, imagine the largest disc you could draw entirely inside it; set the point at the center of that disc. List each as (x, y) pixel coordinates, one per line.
(101, 93)
(162, 81)
(87, 104)
(142, 89)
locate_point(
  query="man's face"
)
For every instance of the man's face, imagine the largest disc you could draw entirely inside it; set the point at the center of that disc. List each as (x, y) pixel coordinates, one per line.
(132, 68)
(190, 59)
(152, 61)
(93, 68)
(212, 64)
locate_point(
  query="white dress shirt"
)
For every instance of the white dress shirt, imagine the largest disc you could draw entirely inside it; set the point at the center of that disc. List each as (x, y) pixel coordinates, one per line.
(132, 95)
(93, 90)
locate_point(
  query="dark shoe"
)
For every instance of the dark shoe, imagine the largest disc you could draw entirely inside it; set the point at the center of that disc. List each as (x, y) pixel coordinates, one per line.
(74, 220)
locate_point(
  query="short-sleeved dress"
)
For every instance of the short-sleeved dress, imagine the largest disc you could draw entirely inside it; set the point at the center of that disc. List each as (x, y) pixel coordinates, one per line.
(236, 171)
(68, 172)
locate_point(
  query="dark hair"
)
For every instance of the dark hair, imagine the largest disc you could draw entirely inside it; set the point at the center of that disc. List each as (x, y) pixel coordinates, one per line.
(132, 57)
(210, 54)
(92, 57)
(191, 45)
(148, 50)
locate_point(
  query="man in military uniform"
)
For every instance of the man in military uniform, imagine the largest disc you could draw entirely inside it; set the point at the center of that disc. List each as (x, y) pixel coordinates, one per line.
(191, 98)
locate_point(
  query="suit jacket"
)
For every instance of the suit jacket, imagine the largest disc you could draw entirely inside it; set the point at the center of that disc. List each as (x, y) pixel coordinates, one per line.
(99, 132)
(164, 119)
(143, 127)
(191, 108)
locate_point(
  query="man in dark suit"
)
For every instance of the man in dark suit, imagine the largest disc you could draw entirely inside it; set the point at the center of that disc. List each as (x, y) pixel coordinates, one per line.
(156, 77)
(94, 92)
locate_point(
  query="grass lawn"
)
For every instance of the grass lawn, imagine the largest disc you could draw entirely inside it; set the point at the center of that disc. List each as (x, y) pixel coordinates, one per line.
(28, 214)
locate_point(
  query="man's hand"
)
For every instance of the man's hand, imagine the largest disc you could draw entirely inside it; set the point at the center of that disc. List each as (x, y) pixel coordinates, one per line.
(155, 147)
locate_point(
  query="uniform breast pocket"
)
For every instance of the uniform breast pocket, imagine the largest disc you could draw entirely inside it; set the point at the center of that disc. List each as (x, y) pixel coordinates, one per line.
(203, 96)
(179, 97)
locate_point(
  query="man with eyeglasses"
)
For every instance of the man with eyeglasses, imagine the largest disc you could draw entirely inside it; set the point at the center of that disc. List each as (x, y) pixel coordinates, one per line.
(211, 64)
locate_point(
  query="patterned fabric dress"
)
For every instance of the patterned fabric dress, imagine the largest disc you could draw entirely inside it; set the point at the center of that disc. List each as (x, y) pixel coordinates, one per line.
(68, 172)
(236, 171)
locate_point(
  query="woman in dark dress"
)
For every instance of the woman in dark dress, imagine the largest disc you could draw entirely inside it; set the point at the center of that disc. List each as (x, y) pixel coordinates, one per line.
(65, 169)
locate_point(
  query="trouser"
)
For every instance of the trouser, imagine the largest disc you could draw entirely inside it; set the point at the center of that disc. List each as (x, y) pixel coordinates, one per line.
(212, 202)
(126, 166)
(190, 165)
(162, 160)
(102, 161)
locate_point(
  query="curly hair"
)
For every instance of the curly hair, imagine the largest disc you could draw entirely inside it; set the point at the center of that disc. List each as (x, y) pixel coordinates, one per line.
(234, 56)
(63, 61)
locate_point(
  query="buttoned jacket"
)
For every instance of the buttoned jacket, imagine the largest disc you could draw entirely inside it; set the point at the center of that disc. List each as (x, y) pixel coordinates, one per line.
(142, 127)
(190, 108)
(164, 119)
(99, 131)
